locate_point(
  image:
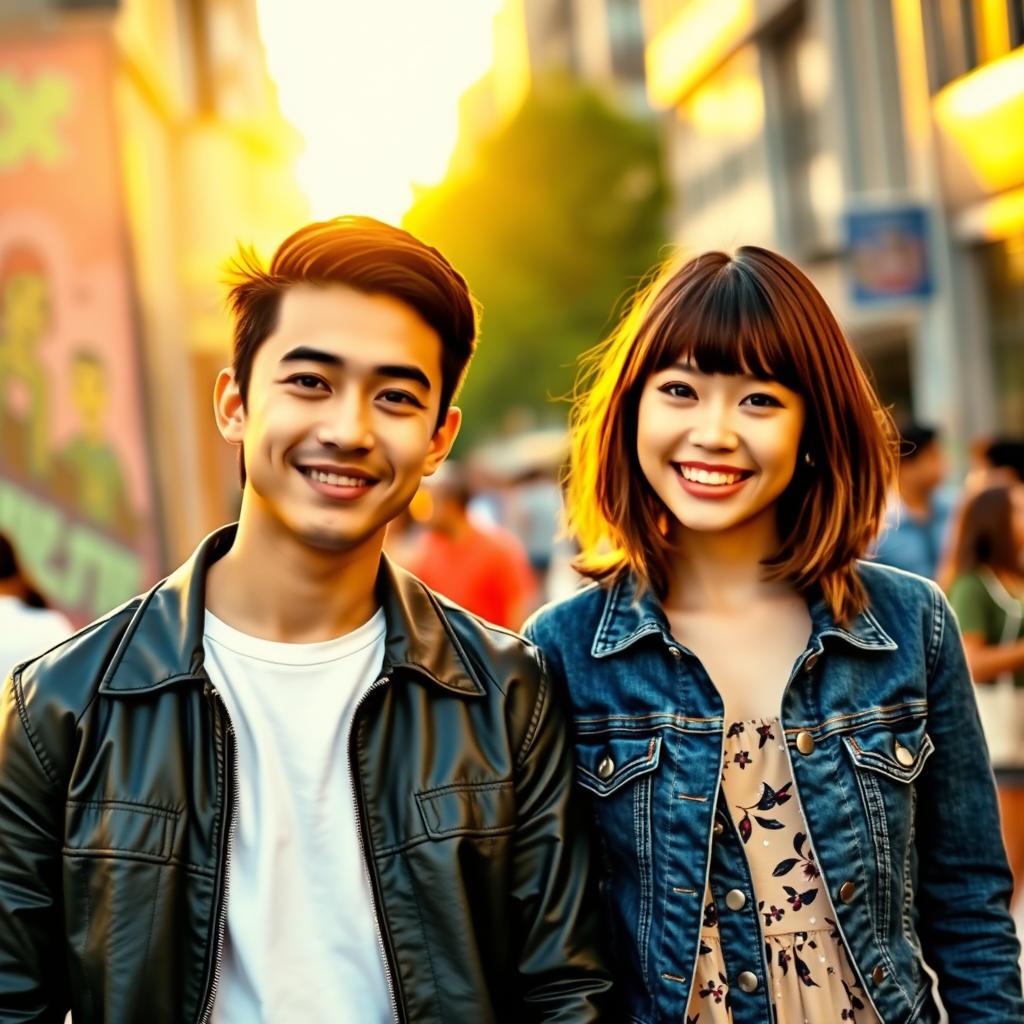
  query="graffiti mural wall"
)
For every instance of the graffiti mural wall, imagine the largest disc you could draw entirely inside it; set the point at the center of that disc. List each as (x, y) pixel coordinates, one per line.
(75, 486)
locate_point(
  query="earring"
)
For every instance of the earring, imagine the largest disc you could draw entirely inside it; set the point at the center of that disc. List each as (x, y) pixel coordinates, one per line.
(808, 459)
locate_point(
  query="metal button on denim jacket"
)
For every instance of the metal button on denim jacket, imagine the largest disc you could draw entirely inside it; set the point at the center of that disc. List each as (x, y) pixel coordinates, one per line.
(890, 769)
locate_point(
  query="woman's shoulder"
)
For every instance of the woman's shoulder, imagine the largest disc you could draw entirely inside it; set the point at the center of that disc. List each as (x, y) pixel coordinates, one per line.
(569, 620)
(895, 594)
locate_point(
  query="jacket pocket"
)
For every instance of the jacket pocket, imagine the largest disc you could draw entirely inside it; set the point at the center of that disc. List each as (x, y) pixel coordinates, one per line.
(468, 809)
(886, 764)
(620, 772)
(119, 829)
(609, 762)
(898, 755)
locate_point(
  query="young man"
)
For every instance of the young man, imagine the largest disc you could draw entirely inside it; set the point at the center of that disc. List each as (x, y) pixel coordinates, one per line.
(289, 783)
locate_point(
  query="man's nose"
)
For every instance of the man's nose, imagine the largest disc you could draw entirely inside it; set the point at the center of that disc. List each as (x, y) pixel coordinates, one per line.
(347, 423)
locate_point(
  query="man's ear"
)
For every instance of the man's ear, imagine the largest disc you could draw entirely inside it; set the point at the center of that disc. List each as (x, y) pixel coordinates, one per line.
(228, 407)
(442, 441)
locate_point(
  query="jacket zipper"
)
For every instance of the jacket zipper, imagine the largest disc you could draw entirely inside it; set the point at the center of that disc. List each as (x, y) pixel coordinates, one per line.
(231, 808)
(803, 815)
(360, 836)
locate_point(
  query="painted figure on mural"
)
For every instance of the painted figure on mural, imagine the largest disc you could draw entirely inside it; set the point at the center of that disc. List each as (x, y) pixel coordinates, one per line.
(88, 472)
(25, 318)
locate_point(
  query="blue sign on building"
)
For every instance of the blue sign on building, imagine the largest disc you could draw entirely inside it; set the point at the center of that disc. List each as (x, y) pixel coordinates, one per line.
(887, 254)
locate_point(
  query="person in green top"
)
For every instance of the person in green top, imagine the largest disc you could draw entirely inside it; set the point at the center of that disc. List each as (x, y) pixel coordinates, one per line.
(987, 595)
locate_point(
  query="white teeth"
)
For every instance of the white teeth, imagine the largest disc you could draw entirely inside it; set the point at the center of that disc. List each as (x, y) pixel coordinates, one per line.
(336, 480)
(703, 476)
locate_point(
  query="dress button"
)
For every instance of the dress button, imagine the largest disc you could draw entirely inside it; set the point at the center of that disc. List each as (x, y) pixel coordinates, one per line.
(878, 975)
(847, 891)
(605, 767)
(747, 981)
(812, 660)
(804, 742)
(718, 828)
(904, 756)
(675, 652)
(735, 899)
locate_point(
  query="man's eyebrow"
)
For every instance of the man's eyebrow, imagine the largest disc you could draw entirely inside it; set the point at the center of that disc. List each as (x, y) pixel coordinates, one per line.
(396, 371)
(305, 354)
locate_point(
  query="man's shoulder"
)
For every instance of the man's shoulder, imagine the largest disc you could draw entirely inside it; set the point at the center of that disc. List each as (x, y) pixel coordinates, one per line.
(71, 671)
(570, 620)
(500, 652)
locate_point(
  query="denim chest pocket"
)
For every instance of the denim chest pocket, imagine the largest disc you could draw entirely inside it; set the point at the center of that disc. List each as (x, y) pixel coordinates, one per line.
(619, 772)
(887, 761)
(609, 762)
(898, 755)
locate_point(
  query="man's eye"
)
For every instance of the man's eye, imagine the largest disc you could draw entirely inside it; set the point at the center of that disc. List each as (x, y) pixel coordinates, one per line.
(307, 381)
(401, 398)
(677, 389)
(762, 400)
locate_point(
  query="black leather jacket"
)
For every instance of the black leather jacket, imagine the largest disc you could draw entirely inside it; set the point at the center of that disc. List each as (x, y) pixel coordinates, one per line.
(116, 797)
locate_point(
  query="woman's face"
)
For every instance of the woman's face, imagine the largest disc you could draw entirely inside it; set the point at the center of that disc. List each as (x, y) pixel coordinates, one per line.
(718, 449)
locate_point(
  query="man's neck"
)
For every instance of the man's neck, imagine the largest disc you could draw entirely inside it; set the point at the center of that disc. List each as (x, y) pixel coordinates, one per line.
(273, 585)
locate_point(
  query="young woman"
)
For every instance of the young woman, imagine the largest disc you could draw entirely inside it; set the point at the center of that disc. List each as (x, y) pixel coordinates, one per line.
(781, 743)
(987, 595)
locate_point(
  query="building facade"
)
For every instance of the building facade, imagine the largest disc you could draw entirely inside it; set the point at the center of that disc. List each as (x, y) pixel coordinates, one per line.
(874, 144)
(142, 142)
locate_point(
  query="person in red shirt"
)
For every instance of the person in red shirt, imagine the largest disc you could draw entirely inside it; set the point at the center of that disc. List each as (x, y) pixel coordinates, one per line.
(481, 567)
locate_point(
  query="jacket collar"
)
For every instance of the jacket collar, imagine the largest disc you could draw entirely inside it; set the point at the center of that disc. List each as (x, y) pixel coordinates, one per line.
(630, 615)
(163, 643)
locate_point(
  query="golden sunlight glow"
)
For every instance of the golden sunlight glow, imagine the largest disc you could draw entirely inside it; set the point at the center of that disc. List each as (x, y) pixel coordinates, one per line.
(693, 43)
(374, 90)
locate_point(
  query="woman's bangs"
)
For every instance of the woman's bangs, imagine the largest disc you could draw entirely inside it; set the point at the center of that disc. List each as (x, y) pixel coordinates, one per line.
(731, 330)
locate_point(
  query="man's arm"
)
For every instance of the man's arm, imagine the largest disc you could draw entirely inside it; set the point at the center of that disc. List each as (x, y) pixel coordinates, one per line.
(563, 975)
(33, 976)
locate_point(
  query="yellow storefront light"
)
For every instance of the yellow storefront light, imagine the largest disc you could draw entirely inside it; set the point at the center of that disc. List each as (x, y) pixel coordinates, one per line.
(692, 45)
(982, 114)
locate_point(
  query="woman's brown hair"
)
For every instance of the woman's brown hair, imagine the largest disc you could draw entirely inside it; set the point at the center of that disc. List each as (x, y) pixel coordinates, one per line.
(754, 313)
(985, 533)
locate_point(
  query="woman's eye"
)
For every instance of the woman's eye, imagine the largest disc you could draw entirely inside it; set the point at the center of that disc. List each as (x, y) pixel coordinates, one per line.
(762, 400)
(677, 389)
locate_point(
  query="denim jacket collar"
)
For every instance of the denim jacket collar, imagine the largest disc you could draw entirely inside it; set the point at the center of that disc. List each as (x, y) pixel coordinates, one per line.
(631, 613)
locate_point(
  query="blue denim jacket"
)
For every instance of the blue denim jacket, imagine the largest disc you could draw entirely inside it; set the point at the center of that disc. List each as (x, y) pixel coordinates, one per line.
(912, 841)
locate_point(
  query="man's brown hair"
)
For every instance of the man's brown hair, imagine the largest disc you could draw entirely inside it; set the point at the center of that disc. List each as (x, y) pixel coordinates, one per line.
(753, 313)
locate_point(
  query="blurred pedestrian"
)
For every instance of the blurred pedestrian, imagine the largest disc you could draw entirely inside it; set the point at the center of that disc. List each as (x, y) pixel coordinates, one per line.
(917, 518)
(482, 567)
(27, 626)
(987, 595)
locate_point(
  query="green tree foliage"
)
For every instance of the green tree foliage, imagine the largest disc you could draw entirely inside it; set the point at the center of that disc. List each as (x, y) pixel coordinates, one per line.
(555, 220)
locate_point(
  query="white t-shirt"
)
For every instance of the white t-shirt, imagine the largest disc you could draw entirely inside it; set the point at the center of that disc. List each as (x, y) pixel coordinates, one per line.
(301, 941)
(26, 632)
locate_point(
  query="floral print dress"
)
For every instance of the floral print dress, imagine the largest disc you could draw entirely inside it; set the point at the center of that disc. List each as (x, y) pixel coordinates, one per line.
(812, 980)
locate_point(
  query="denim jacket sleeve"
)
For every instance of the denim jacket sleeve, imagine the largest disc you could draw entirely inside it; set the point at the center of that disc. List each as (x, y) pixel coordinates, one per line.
(33, 984)
(964, 883)
(562, 969)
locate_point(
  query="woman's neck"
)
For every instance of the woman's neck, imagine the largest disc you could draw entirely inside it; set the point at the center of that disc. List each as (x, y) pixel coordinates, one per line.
(722, 570)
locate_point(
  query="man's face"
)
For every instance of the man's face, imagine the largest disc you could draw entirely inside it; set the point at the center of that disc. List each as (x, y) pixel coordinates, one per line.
(926, 470)
(338, 427)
